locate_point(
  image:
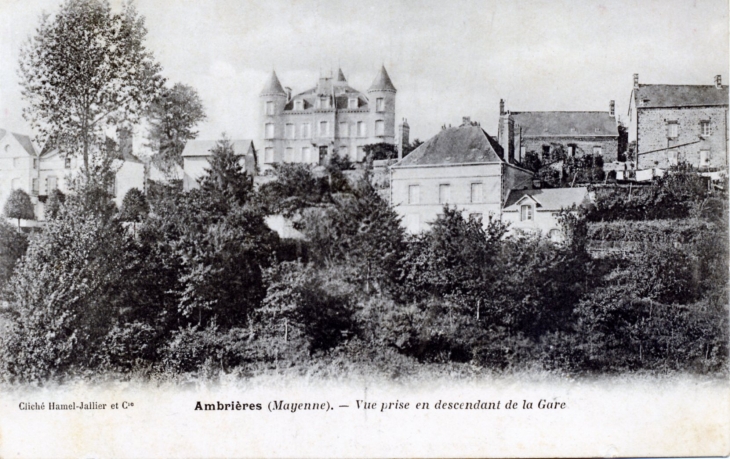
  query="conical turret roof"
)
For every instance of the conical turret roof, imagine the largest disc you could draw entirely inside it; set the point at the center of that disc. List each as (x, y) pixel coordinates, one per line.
(382, 82)
(273, 87)
(341, 76)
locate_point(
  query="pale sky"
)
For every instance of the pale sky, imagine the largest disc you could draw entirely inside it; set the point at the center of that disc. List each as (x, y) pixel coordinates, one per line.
(448, 59)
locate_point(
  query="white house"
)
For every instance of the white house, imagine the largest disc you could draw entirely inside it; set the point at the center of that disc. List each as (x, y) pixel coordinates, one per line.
(18, 166)
(197, 153)
(537, 210)
(462, 167)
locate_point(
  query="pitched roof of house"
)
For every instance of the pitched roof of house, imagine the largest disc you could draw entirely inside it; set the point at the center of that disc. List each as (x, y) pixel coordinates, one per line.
(565, 124)
(457, 145)
(204, 147)
(382, 82)
(680, 95)
(340, 89)
(273, 86)
(549, 198)
(23, 140)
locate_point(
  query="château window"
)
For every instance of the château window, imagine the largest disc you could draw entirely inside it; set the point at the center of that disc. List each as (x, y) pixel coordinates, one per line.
(298, 104)
(290, 131)
(705, 128)
(323, 128)
(672, 130)
(269, 108)
(444, 194)
(526, 212)
(289, 155)
(352, 103)
(344, 130)
(360, 153)
(379, 127)
(414, 194)
(269, 130)
(361, 129)
(269, 155)
(477, 193)
(306, 131)
(380, 104)
(307, 154)
(324, 102)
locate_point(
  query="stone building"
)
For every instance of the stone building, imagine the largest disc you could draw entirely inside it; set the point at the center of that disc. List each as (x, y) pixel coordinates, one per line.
(537, 210)
(332, 116)
(463, 167)
(673, 123)
(197, 153)
(545, 133)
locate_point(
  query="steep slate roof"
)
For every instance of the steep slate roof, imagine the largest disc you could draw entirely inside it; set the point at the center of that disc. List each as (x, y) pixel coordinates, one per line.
(273, 86)
(203, 147)
(341, 76)
(565, 124)
(342, 93)
(382, 82)
(23, 140)
(458, 145)
(680, 95)
(549, 198)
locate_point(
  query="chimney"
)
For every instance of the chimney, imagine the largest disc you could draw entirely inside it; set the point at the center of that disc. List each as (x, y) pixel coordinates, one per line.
(612, 109)
(404, 133)
(718, 81)
(636, 81)
(466, 121)
(501, 107)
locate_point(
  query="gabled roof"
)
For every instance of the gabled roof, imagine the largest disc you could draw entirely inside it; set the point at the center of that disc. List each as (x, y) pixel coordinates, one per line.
(549, 198)
(680, 95)
(458, 145)
(203, 147)
(23, 140)
(382, 82)
(565, 124)
(273, 86)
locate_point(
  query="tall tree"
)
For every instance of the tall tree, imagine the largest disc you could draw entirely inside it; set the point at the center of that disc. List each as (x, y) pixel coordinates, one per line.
(86, 69)
(173, 116)
(19, 206)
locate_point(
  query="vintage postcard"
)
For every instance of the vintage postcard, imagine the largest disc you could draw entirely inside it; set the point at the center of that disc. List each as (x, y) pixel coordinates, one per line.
(318, 228)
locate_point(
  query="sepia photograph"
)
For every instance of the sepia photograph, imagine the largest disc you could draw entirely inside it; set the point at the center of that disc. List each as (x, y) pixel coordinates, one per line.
(319, 228)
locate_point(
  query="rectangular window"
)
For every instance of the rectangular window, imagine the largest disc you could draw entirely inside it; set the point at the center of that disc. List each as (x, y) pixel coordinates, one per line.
(289, 155)
(290, 131)
(306, 131)
(414, 194)
(571, 151)
(704, 158)
(444, 194)
(380, 104)
(323, 128)
(344, 130)
(51, 183)
(35, 186)
(35, 163)
(298, 104)
(67, 163)
(379, 127)
(344, 152)
(269, 130)
(522, 153)
(477, 193)
(672, 130)
(705, 128)
(361, 129)
(306, 154)
(360, 153)
(526, 212)
(545, 152)
(324, 102)
(268, 155)
(597, 151)
(269, 108)
(352, 103)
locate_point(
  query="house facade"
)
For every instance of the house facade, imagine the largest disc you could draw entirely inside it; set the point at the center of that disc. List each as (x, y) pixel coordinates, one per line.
(308, 127)
(18, 165)
(462, 167)
(673, 123)
(546, 133)
(537, 210)
(197, 154)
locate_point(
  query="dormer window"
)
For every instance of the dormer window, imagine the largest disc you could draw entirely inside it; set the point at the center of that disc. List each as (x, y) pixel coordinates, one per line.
(352, 102)
(324, 102)
(299, 104)
(526, 212)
